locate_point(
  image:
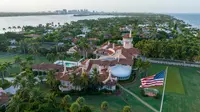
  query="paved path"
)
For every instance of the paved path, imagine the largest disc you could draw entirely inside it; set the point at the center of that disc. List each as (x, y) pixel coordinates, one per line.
(139, 99)
(174, 63)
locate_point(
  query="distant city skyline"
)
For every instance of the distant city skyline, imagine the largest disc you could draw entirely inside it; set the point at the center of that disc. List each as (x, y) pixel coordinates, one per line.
(156, 6)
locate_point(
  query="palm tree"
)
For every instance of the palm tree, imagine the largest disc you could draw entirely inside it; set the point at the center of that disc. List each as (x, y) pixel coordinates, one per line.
(80, 101)
(126, 109)
(14, 27)
(2, 72)
(75, 80)
(17, 61)
(9, 28)
(104, 106)
(16, 104)
(16, 82)
(19, 27)
(86, 108)
(29, 59)
(84, 46)
(61, 57)
(58, 24)
(51, 99)
(51, 81)
(56, 41)
(34, 47)
(41, 78)
(65, 102)
(95, 81)
(139, 64)
(35, 94)
(23, 46)
(8, 66)
(50, 57)
(145, 66)
(75, 107)
(4, 29)
(84, 80)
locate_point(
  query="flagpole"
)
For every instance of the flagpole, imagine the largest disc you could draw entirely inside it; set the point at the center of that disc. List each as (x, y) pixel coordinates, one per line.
(161, 105)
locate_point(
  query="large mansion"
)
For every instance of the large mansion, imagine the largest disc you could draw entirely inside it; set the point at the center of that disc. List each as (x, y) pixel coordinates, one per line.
(112, 62)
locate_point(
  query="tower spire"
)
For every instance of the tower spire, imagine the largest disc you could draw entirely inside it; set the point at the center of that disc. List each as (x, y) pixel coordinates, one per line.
(130, 35)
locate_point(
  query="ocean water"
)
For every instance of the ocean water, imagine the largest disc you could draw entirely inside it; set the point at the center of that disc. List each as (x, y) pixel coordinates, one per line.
(6, 22)
(193, 19)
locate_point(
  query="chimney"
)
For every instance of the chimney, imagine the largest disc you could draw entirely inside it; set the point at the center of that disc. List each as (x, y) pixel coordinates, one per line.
(113, 45)
(130, 35)
(64, 70)
(118, 58)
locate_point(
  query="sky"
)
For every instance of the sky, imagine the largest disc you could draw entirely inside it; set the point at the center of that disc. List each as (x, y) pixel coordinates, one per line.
(156, 6)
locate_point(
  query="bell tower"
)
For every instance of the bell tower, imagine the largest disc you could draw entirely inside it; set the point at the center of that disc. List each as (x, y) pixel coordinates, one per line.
(127, 40)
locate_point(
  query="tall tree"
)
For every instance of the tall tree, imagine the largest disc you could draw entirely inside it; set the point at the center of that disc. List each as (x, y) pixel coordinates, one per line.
(126, 109)
(84, 81)
(51, 81)
(8, 66)
(75, 107)
(65, 102)
(80, 101)
(104, 106)
(75, 79)
(2, 72)
(16, 104)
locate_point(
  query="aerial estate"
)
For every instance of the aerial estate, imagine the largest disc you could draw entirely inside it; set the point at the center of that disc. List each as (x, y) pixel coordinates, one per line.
(116, 64)
(112, 63)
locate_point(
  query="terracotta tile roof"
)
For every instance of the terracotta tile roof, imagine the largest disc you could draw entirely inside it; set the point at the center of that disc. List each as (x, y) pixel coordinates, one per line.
(126, 36)
(104, 44)
(84, 62)
(129, 53)
(48, 67)
(111, 83)
(74, 40)
(118, 47)
(69, 37)
(66, 76)
(60, 76)
(108, 44)
(104, 51)
(32, 35)
(3, 98)
(93, 39)
(109, 63)
(103, 77)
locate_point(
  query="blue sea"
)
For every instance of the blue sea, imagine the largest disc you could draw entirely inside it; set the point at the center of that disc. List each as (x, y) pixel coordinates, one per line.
(190, 18)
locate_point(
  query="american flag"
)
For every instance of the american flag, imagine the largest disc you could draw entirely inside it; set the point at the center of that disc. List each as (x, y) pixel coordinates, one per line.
(154, 80)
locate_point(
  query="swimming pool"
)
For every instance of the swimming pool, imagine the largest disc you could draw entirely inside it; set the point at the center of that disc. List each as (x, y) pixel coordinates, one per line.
(67, 63)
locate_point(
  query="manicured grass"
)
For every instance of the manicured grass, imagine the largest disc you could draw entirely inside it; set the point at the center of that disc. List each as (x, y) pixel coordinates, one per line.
(116, 103)
(174, 82)
(4, 57)
(182, 89)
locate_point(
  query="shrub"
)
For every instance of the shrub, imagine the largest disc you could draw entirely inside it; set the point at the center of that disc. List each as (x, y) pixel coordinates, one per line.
(86, 109)
(157, 96)
(143, 93)
(5, 85)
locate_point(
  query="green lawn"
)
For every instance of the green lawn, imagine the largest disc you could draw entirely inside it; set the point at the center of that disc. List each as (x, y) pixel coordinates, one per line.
(4, 57)
(116, 103)
(182, 89)
(174, 82)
